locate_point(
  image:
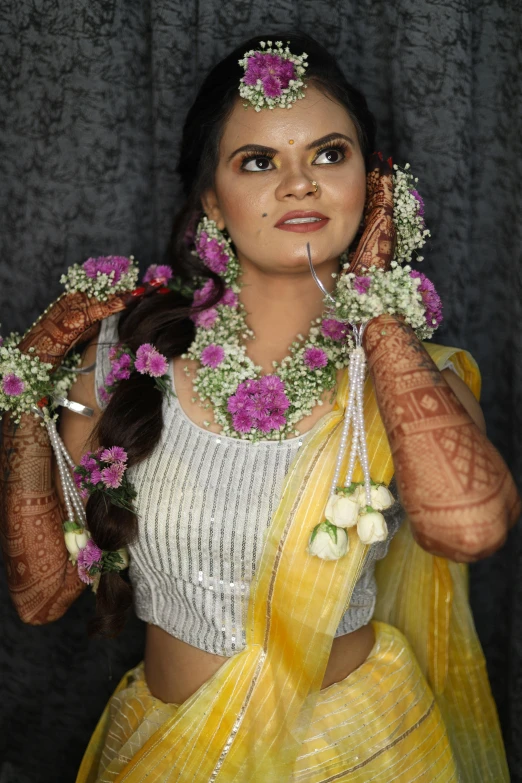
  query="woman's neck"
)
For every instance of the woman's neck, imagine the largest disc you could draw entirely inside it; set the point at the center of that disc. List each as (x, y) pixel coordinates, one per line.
(279, 307)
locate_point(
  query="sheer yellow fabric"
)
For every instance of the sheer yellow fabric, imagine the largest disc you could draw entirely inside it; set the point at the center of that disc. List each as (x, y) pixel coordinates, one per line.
(252, 720)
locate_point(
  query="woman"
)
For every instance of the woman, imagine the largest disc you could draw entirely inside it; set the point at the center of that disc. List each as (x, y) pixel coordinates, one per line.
(253, 669)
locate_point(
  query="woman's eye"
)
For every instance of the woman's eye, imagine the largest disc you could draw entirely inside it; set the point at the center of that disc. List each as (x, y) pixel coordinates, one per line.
(261, 163)
(330, 156)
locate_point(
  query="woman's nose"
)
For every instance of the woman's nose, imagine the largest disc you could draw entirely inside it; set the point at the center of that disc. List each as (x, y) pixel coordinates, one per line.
(295, 185)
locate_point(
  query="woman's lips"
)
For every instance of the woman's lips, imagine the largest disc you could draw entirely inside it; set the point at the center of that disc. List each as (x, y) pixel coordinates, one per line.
(304, 221)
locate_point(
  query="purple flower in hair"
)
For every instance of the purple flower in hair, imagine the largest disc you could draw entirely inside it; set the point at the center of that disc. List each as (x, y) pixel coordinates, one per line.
(114, 454)
(430, 297)
(334, 329)
(229, 298)
(12, 385)
(212, 355)
(362, 284)
(157, 272)
(150, 362)
(88, 557)
(315, 358)
(273, 71)
(112, 475)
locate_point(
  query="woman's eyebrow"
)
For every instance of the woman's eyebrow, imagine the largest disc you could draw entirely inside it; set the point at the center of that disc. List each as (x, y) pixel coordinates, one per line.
(260, 150)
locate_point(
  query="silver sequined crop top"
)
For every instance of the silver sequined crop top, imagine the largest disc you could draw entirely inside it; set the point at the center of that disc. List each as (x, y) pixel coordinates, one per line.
(204, 504)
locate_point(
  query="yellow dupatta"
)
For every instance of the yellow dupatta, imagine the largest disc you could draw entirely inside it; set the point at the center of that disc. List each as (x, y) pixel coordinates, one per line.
(249, 720)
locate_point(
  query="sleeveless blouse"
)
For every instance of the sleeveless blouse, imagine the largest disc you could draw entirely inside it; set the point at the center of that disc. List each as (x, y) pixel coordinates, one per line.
(204, 504)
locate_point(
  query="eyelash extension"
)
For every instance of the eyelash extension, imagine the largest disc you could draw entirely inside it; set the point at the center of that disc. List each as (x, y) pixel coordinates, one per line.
(340, 146)
(247, 155)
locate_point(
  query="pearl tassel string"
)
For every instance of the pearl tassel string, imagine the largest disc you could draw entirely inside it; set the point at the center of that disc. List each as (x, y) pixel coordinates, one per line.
(73, 502)
(354, 418)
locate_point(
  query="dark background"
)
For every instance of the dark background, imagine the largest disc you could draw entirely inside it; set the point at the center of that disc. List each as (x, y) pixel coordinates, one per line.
(92, 98)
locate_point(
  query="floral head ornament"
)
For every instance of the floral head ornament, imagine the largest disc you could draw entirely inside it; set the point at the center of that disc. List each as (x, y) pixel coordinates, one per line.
(273, 76)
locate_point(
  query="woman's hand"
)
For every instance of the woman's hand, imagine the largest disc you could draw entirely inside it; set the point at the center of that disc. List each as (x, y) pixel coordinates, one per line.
(455, 486)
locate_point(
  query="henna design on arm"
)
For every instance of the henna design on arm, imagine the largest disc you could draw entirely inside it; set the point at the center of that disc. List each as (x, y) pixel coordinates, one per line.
(455, 486)
(41, 580)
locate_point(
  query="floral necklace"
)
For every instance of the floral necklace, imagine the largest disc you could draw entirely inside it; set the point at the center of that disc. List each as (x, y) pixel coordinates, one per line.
(246, 404)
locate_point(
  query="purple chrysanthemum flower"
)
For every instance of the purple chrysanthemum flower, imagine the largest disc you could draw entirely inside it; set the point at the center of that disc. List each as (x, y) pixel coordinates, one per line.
(212, 356)
(431, 299)
(157, 272)
(204, 295)
(106, 265)
(242, 421)
(334, 330)
(113, 475)
(275, 73)
(229, 298)
(114, 454)
(212, 253)
(315, 358)
(104, 394)
(113, 351)
(362, 284)
(95, 476)
(259, 404)
(206, 319)
(88, 462)
(12, 385)
(91, 555)
(158, 365)
(78, 479)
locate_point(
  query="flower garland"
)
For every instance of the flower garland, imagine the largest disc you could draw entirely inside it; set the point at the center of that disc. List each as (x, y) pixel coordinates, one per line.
(273, 76)
(245, 404)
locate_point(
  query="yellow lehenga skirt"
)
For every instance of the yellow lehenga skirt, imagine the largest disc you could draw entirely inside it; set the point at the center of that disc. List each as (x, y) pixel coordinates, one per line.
(418, 709)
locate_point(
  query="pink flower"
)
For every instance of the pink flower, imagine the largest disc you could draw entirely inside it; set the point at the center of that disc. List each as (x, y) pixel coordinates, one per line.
(113, 475)
(206, 319)
(212, 253)
(315, 358)
(113, 351)
(105, 265)
(259, 404)
(242, 421)
(88, 462)
(157, 272)
(114, 454)
(204, 295)
(150, 362)
(334, 329)
(229, 298)
(95, 476)
(91, 555)
(212, 355)
(12, 385)
(103, 394)
(158, 365)
(274, 72)
(362, 284)
(431, 299)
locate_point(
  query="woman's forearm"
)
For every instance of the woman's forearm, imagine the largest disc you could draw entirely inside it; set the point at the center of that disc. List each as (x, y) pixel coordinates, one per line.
(455, 486)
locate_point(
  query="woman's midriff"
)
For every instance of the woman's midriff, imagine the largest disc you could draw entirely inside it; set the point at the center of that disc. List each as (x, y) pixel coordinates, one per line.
(174, 670)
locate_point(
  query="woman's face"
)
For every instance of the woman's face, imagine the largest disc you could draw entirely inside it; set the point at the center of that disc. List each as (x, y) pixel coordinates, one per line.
(267, 161)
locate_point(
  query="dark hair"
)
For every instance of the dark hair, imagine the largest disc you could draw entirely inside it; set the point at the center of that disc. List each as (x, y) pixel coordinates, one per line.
(133, 419)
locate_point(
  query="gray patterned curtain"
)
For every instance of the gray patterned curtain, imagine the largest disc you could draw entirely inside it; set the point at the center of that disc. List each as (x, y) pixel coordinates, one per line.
(92, 99)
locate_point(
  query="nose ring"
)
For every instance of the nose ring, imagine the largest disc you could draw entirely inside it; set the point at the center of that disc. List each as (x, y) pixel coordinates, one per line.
(316, 186)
